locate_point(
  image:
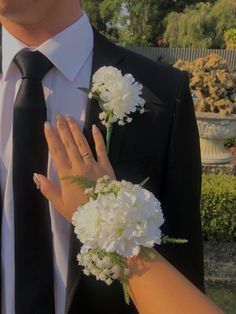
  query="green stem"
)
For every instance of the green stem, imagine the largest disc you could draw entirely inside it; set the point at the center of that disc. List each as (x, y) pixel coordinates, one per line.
(108, 137)
(144, 181)
(126, 293)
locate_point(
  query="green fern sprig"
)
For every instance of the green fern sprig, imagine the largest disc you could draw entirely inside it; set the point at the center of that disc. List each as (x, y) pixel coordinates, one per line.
(83, 182)
(165, 239)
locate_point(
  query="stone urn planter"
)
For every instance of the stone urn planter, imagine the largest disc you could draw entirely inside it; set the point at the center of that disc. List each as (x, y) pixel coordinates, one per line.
(214, 130)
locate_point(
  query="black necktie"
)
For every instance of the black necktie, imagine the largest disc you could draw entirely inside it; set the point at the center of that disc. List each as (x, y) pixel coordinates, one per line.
(33, 240)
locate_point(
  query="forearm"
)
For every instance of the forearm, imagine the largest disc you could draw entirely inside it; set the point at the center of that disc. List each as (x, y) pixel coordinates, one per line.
(157, 287)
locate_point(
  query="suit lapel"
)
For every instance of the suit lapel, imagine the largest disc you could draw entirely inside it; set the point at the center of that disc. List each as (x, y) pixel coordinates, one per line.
(104, 54)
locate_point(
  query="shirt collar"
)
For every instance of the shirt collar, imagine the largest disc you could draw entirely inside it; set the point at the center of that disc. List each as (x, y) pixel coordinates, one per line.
(10, 47)
(68, 50)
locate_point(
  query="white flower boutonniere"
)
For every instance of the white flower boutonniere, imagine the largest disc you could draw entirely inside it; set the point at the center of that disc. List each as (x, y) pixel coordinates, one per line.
(118, 96)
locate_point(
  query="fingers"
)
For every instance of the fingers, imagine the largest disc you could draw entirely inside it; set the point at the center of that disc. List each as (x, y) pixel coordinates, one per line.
(68, 140)
(56, 150)
(77, 150)
(74, 140)
(49, 190)
(101, 152)
(79, 139)
(100, 146)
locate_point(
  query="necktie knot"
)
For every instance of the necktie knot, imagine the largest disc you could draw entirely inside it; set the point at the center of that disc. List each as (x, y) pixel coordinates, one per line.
(32, 64)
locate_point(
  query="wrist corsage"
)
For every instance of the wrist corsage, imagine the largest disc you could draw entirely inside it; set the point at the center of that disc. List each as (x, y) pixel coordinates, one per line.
(119, 221)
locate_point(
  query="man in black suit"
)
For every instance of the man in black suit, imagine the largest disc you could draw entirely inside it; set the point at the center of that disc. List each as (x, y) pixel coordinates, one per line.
(161, 144)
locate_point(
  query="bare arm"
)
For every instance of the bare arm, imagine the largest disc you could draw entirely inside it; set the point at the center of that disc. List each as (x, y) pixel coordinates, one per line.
(157, 287)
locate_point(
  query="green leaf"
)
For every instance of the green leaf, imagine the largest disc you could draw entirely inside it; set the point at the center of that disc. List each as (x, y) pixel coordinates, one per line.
(85, 90)
(144, 181)
(84, 182)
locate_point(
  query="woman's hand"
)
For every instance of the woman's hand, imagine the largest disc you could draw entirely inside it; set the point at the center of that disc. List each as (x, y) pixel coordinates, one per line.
(72, 156)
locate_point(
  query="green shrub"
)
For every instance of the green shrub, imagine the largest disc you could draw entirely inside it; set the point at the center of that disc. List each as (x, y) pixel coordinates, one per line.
(218, 207)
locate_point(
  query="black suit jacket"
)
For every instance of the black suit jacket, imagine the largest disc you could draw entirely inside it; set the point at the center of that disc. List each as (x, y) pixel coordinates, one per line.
(162, 144)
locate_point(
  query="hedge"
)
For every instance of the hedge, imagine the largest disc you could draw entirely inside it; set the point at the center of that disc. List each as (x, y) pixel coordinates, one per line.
(218, 207)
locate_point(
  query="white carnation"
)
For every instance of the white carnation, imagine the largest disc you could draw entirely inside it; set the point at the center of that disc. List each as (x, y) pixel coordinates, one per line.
(119, 94)
(86, 272)
(108, 281)
(89, 228)
(121, 221)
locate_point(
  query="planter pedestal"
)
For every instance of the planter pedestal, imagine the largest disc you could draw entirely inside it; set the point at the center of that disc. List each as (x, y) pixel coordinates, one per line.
(214, 130)
(222, 169)
(214, 152)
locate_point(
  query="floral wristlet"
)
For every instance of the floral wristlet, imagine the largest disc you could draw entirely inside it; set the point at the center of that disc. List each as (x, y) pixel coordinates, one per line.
(120, 220)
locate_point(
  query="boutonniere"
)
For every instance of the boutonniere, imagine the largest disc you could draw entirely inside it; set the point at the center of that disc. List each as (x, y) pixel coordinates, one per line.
(118, 96)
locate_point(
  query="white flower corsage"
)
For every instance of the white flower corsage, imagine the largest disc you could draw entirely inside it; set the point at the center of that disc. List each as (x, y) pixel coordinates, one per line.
(118, 96)
(119, 220)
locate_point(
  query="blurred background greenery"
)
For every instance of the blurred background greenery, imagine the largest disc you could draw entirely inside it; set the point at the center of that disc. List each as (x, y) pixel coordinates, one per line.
(169, 23)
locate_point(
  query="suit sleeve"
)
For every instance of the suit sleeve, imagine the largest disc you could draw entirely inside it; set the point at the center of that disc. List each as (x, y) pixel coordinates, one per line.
(181, 188)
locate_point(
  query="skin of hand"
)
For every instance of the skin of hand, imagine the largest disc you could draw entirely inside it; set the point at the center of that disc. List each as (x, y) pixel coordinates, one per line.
(72, 156)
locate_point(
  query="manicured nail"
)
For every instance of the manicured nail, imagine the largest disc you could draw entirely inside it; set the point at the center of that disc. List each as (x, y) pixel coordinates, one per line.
(95, 129)
(69, 118)
(47, 125)
(58, 117)
(36, 180)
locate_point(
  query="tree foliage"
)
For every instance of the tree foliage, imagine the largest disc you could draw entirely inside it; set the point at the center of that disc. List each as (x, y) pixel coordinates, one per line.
(129, 22)
(184, 23)
(201, 25)
(164, 7)
(93, 10)
(230, 38)
(137, 23)
(104, 16)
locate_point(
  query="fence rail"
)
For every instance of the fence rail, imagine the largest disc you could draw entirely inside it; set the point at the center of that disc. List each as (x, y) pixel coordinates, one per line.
(171, 55)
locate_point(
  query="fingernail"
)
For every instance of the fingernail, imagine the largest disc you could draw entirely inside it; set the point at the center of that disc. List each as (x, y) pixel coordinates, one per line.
(69, 118)
(36, 180)
(95, 129)
(47, 125)
(58, 117)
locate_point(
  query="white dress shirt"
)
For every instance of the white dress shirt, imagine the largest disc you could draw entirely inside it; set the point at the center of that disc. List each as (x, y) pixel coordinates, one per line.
(71, 53)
